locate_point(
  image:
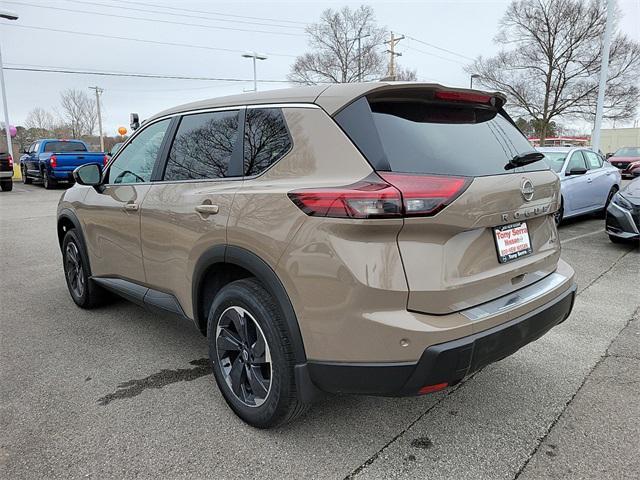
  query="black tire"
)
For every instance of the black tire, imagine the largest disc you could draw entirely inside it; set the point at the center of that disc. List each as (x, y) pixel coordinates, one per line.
(245, 303)
(559, 215)
(48, 183)
(84, 292)
(615, 239)
(25, 179)
(6, 185)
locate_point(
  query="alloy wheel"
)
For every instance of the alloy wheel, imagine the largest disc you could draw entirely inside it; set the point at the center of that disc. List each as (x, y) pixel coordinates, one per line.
(243, 356)
(75, 272)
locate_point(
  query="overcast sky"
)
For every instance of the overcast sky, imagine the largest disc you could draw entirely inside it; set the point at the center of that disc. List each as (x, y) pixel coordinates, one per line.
(464, 27)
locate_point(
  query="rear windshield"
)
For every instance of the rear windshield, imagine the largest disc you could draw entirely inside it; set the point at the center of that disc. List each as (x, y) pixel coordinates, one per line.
(418, 137)
(628, 152)
(555, 160)
(64, 147)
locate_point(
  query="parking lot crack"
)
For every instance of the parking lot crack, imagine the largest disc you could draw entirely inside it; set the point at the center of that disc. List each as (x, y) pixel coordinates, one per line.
(606, 355)
(604, 272)
(376, 455)
(164, 377)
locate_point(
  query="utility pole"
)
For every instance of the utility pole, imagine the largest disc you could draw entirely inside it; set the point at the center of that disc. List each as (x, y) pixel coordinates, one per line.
(99, 92)
(8, 16)
(604, 73)
(391, 74)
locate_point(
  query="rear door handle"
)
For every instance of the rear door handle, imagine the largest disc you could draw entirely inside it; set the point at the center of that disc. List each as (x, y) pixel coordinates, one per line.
(131, 207)
(207, 209)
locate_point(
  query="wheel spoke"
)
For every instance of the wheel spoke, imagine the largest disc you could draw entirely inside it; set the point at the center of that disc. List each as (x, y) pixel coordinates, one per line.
(259, 386)
(258, 350)
(227, 341)
(240, 324)
(236, 372)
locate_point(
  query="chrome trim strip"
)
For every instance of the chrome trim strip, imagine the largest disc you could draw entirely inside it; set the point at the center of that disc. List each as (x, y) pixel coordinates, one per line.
(515, 299)
(627, 214)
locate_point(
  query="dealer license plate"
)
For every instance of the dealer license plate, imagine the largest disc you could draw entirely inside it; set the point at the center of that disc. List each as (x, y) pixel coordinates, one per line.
(512, 241)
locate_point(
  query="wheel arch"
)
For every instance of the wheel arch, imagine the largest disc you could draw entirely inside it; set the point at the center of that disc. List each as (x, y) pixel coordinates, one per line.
(68, 220)
(244, 264)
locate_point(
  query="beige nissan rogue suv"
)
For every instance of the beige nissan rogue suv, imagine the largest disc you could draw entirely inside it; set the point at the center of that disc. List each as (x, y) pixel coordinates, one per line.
(372, 238)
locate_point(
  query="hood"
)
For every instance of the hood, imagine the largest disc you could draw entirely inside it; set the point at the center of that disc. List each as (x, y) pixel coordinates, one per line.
(632, 191)
(624, 159)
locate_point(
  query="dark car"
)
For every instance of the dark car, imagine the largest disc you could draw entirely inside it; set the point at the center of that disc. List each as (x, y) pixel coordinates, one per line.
(624, 158)
(623, 214)
(6, 172)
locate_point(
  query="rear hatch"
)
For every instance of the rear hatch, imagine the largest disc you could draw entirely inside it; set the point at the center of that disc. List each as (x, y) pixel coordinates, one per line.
(481, 227)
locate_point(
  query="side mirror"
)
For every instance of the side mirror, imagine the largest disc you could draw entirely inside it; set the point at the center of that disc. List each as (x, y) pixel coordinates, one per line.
(88, 174)
(609, 155)
(576, 171)
(134, 121)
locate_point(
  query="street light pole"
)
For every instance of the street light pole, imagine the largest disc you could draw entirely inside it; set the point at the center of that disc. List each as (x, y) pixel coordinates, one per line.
(360, 37)
(475, 75)
(604, 72)
(9, 16)
(255, 56)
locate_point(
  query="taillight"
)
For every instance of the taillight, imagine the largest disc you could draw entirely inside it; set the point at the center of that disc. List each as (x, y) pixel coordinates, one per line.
(462, 96)
(105, 160)
(53, 161)
(10, 161)
(392, 196)
(425, 195)
(369, 198)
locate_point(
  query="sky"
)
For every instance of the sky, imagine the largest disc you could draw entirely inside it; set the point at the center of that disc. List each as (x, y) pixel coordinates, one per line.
(445, 36)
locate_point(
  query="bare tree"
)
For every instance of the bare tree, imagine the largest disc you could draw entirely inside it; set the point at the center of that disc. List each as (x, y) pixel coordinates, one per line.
(406, 74)
(79, 110)
(39, 119)
(334, 44)
(552, 66)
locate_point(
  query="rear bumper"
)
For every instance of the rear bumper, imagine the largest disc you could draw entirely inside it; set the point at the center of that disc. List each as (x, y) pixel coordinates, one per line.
(6, 174)
(447, 362)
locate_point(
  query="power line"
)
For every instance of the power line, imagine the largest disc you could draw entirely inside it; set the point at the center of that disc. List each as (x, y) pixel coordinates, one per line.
(438, 48)
(73, 71)
(208, 12)
(146, 10)
(170, 22)
(141, 40)
(434, 55)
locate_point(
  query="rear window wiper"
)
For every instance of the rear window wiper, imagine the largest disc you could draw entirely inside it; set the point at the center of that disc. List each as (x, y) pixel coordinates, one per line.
(523, 159)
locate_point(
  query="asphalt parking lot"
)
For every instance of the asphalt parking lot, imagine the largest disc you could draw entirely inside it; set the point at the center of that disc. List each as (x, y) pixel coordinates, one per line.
(121, 393)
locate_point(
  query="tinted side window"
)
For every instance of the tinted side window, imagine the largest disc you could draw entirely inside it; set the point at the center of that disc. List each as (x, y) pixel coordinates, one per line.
(203, 146)
(266, 139)
(135, 163)
(593, 160)
(576, 161)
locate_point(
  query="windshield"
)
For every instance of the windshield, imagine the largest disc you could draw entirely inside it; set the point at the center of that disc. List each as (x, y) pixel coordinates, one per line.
(65, 147)
(555, 160)
(628, 152)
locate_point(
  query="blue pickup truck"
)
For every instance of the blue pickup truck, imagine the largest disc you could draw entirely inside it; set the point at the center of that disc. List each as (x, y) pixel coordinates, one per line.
(52, 161)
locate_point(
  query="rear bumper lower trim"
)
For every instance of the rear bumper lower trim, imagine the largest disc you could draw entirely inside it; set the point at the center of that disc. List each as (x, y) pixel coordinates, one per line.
(446, 362)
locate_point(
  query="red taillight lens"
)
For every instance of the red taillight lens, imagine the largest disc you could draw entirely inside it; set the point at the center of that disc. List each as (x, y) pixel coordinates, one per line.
(105, 160)
(53, 161)
(425, 195)
(10, 161)
(392, 196)
(369, 198)
(462, 96)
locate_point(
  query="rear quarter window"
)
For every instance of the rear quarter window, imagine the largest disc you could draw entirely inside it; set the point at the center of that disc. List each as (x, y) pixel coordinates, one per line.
(418, 137)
